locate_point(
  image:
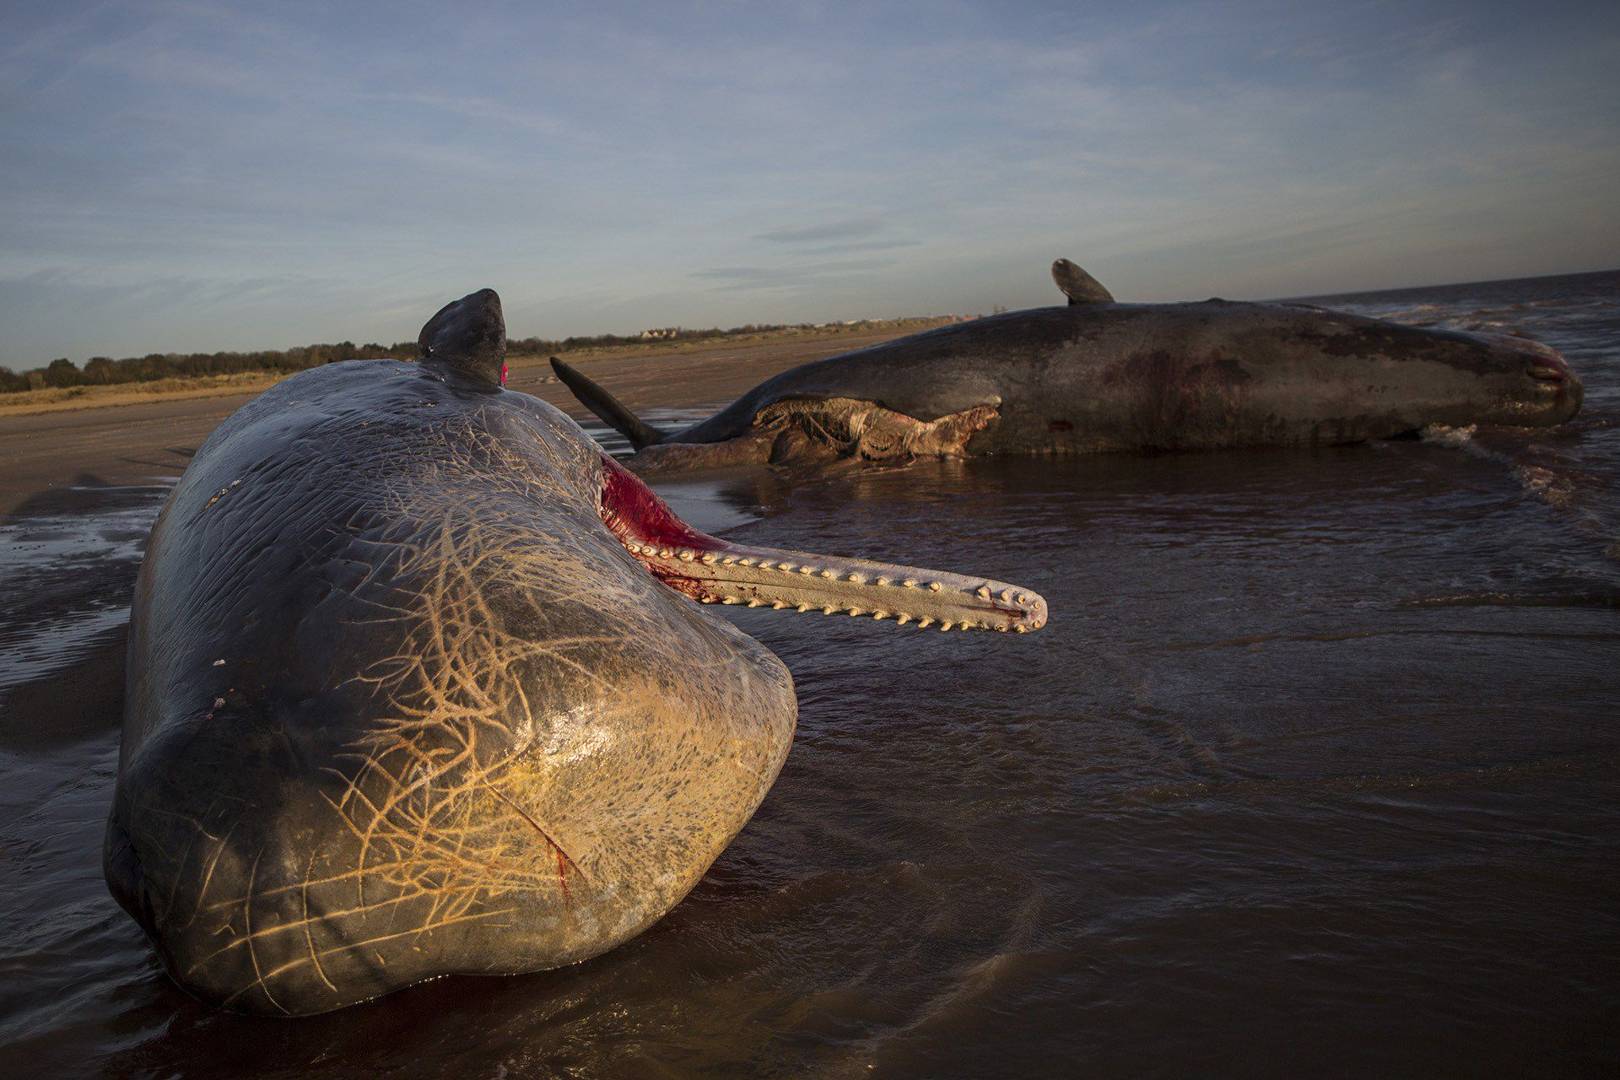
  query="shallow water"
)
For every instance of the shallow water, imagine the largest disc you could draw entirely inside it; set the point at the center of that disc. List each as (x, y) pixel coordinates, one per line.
(1314, 770)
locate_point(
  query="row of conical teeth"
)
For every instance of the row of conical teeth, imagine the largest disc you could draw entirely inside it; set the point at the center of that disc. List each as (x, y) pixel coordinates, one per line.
(983, 592)
(901, 617)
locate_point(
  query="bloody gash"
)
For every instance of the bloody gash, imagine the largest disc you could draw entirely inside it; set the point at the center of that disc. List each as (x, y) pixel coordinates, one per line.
(1098, 376)
(417, 686)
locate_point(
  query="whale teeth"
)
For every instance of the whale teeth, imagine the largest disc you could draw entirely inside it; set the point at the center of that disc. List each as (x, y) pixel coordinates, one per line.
(1024, 598)
(1007, 595)
(856, 611)
(983, 592)
(784, 566)
(909, 583)
(1001, 627)
(731, 600)
(803, 607)
(705, 599)
(902, 618)
(686, 555)
(924, 621)
(946, 625)
(1021, 629)
(777, 605)
(829, 574)
(880, 615)
(729, 560)
(934, 586)
(856, 578)
(883, 581)
(752, 602)
(710, 558)
(828, 610)
(745, 562)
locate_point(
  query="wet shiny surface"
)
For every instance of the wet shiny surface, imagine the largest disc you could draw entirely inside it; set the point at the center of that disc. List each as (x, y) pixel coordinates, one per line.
(1314, 770)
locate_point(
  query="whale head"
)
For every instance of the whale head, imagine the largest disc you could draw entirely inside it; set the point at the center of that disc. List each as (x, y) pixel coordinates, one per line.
(422, 682)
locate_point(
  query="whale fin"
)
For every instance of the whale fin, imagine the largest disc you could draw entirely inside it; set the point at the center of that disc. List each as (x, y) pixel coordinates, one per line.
(605, 406)
(467, 336)
(1079, 286)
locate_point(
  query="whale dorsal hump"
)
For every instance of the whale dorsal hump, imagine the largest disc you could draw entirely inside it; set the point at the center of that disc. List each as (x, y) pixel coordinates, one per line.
(1079, 286)
(468, 336)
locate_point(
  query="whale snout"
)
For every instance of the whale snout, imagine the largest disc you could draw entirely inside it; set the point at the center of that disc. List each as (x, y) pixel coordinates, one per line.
(296, 894)
(1544, 363)
(1551, 375)
(1534, 384)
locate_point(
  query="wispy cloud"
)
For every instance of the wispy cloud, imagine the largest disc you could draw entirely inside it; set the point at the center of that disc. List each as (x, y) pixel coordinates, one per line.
(790, 276)
(831, 230)
(216, 174)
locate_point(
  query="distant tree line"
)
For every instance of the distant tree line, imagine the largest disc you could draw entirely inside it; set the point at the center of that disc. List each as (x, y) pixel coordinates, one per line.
(105, 371)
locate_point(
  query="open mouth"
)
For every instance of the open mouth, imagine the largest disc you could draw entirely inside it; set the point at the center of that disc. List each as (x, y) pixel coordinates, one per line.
(715, 571)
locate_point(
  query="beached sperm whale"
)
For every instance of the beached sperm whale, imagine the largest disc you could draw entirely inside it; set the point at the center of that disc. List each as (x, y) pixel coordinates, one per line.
(1099, 376)
(417, 685)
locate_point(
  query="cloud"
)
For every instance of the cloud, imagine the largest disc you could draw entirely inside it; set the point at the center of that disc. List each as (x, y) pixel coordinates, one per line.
(784, 277)
(184, 167)
(830, 230)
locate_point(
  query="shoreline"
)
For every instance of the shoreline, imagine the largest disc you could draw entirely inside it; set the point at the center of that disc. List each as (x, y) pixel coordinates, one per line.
(179, 388)
(45, 451)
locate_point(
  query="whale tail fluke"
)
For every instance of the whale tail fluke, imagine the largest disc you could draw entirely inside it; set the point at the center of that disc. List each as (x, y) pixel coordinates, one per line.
(1079, 286)
(606, 406)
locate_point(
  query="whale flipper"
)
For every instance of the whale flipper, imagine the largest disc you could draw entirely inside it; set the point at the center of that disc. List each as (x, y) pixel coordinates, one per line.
(605, 406)
(1079, 286)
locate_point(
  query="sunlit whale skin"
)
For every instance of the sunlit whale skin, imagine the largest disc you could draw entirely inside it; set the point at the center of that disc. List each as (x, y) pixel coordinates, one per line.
(417, 686)
(1099, 376)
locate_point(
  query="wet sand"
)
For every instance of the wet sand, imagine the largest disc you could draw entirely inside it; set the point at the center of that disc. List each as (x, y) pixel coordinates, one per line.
(124, 444)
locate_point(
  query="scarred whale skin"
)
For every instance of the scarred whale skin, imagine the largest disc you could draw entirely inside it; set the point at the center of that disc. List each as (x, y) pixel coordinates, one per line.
(417, 686)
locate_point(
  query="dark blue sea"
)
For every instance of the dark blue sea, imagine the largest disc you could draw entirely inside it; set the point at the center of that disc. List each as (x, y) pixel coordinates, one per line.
(1314, 772)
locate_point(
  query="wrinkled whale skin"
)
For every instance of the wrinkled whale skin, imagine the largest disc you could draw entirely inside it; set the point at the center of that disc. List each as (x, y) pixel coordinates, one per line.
(350, 761)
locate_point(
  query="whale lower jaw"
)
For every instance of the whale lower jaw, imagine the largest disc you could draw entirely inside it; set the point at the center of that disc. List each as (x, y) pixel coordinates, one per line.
(715, 571)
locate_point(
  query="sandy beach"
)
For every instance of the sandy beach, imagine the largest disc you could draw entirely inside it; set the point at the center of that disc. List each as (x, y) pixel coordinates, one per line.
(44, 453)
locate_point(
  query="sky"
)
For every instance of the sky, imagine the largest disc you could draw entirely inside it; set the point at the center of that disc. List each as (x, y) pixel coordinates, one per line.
(209, 175)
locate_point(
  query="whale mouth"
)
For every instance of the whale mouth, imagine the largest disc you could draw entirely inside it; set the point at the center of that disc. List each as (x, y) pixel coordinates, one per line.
(715, 571)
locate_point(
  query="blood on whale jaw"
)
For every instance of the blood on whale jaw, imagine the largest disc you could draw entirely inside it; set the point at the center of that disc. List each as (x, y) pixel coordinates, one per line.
(715, 571)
